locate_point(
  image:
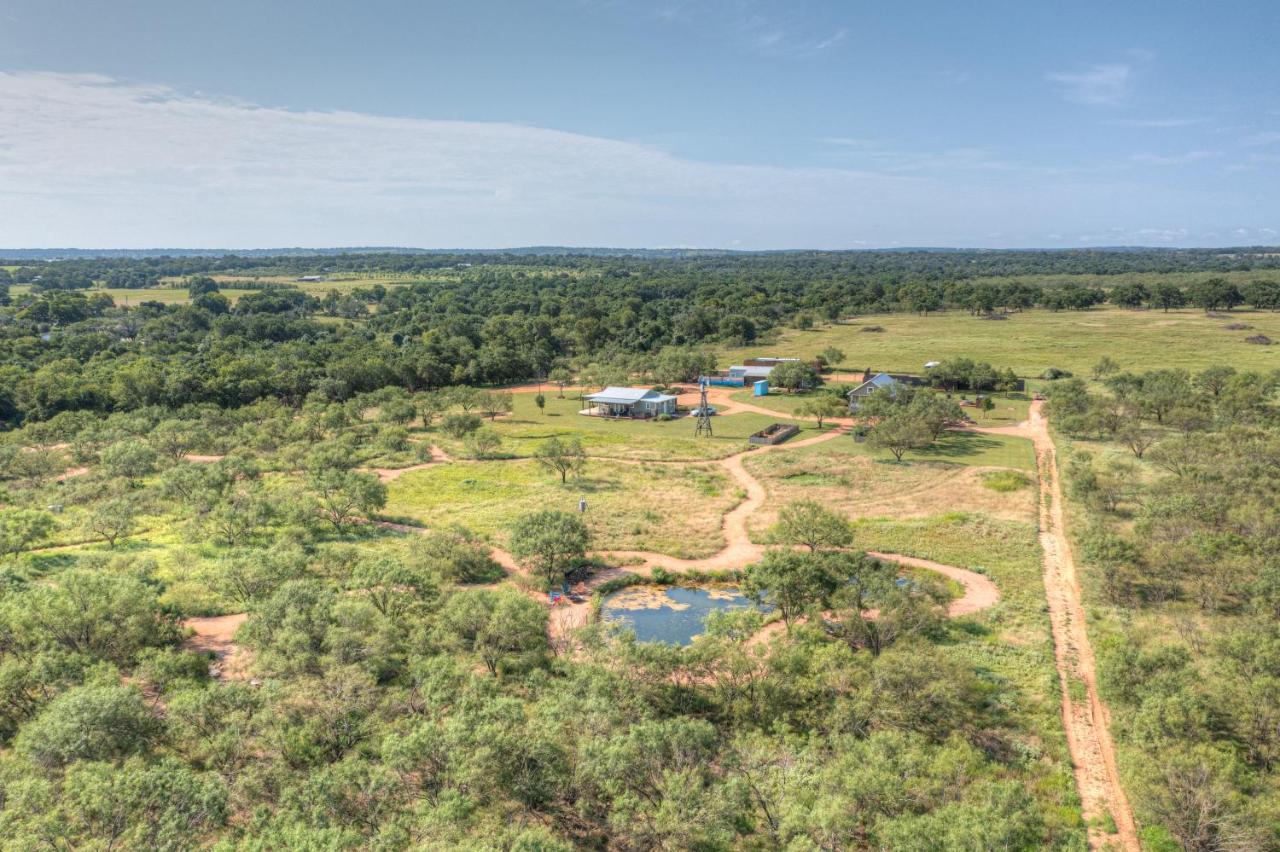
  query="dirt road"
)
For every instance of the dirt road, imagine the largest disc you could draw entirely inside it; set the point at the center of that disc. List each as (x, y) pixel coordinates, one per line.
(1086, 719)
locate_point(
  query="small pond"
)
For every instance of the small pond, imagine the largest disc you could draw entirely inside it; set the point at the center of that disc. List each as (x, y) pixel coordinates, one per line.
(672, 614)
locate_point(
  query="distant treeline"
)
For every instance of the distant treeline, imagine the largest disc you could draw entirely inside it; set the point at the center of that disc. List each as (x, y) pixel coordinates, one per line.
(501, 319)
(882, 267)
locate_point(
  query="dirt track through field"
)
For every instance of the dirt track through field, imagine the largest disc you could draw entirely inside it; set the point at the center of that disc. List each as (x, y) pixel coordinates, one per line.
(1087, 720)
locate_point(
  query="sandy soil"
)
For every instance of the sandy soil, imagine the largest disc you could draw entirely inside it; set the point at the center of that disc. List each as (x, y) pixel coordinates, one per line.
(1086, 721)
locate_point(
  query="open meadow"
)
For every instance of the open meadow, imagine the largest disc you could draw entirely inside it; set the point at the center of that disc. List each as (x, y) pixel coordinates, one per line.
(1032, 341)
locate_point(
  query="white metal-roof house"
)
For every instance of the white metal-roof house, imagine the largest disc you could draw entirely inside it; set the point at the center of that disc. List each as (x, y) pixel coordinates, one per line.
(629, 402)
(880, 381)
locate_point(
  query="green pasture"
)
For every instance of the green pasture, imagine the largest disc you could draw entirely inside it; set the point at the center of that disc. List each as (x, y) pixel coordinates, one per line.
(961, 448)
(1034, 340)
(1148, 279)
(673, 509)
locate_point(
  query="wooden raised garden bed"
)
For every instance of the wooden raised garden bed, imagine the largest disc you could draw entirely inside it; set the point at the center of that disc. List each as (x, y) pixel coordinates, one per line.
(774, 433)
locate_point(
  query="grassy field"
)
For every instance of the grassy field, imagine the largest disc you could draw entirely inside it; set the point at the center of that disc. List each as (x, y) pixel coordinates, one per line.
(1183, 279)
(1032, 341)
(1009, 411)
(174, 292)
(526, 428)
(673, 509)
(966, 448)
(859, 486)
(134, 297)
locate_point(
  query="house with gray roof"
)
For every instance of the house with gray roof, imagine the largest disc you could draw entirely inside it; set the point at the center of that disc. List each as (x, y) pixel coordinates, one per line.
(629, 402)
(880, 381)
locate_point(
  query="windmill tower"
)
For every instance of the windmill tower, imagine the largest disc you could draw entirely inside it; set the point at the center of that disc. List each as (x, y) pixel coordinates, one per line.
(704, 413)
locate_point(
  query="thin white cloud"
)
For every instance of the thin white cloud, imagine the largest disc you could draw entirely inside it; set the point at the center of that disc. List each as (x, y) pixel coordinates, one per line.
(757, 26)
(1156, 123)
(1174, 159)
(1136, 236)
(1098, 85)
(1257, 140)
(86, 160)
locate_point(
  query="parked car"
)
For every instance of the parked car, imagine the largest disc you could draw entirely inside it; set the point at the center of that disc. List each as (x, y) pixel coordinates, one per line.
(697, 412)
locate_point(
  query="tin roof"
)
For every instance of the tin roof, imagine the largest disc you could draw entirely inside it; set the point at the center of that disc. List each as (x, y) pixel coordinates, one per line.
(627, 396)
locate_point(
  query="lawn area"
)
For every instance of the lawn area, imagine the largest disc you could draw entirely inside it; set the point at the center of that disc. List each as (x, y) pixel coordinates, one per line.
(672, 509)
(525, 428)
(1009, 411)
(780, 401)
(1031, 341)
(859, 486)
(967, 448)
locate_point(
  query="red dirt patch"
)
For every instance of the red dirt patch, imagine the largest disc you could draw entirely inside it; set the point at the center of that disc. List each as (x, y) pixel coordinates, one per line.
(214, 635)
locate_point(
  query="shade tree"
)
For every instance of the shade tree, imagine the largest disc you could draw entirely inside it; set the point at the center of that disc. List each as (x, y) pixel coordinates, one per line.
(822, 406)
(807, 523)
(791, 582)
(561, 456)
(550, 543)
(900, 433)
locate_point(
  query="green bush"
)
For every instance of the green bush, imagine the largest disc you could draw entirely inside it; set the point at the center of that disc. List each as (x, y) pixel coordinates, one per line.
(89, 723)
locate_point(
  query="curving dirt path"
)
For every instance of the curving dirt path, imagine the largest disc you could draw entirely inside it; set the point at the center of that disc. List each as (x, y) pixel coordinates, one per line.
(390, 474)
(196, 458)
(1087, 721)
(739, 549)
(979, 591)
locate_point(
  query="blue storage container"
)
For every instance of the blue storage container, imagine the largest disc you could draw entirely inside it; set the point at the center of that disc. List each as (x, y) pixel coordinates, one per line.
(761, 388)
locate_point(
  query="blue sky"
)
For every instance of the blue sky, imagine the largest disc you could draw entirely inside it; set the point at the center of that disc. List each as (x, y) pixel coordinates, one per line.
(730, 123)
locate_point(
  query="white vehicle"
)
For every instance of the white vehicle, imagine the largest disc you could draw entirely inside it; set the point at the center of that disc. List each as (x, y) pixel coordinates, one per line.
(697, 412)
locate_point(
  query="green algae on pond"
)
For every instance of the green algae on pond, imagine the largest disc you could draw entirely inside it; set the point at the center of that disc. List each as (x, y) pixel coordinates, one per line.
(671, 614)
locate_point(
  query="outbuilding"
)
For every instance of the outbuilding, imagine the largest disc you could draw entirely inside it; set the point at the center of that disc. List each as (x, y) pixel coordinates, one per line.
(749, 373)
